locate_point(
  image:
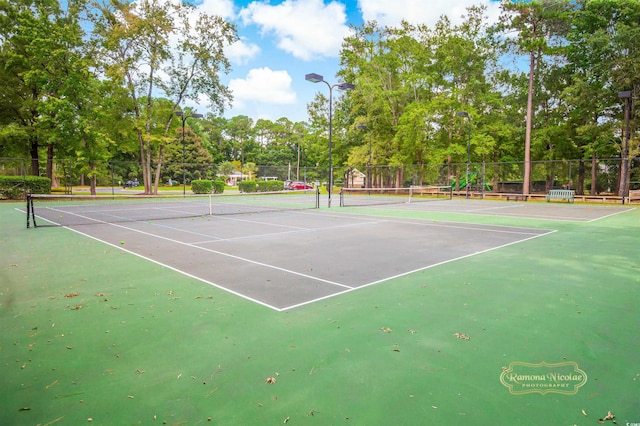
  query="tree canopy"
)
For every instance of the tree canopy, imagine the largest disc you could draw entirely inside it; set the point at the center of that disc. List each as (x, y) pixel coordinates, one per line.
(99, 82)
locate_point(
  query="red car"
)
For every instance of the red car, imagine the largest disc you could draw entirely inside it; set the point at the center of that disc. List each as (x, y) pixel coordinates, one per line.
(300, 185)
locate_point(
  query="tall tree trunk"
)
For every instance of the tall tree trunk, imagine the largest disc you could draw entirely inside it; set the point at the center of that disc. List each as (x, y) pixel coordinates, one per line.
(624, 162)
(92, 179)
(529, 124)
(35, 162)
(581, 173)
(594, 175)
(143, 162)
(49, 168)
(156, 183)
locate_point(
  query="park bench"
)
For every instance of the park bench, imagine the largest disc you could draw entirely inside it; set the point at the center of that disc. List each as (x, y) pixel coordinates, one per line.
(561, 194)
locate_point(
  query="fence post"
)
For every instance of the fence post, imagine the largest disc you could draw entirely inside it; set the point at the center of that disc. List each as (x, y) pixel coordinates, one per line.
(482, 181)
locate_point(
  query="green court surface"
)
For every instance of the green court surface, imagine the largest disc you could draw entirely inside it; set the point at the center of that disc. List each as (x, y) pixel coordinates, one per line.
(544, 331)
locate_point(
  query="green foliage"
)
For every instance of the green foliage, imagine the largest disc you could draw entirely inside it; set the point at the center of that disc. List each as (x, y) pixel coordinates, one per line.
(248, 186)
(203, 186)
(14, 187)
(410, 82)
(218, 186)
(270, 185)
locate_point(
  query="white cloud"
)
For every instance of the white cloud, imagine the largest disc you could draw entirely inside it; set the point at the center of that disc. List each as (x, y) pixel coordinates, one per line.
(307, 29)
(241, 51)
(391, 13)
(223, 8)
(263, 85)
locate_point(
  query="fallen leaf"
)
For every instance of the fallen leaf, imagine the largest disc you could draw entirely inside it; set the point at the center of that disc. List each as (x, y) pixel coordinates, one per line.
(462, 336)
(270, 380)
(386, 329)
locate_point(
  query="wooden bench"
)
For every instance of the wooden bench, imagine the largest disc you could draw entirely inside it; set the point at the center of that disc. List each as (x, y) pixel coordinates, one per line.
(561, 194)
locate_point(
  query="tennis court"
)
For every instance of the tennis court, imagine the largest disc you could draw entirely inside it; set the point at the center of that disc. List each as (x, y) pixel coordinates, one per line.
(410, 313)
(555, 211)
(286, 257)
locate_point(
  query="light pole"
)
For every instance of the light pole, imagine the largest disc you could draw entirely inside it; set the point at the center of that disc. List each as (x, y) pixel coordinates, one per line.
(184, 117)
(624, 169)
(317, 78)
(368, 183)
(465, 114)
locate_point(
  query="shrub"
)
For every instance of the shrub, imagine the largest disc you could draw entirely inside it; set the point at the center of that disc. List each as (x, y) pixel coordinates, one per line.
(218, 186)
(202, 186)
(270, 185)
(13, 187)
(247, 186)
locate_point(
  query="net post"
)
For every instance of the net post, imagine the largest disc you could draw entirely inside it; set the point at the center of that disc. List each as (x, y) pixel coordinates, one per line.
(31, 214)
(341, 197)
(28, 197)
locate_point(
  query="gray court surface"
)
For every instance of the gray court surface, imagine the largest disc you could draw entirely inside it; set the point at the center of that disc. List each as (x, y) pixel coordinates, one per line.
(288, 259)
(556, 211)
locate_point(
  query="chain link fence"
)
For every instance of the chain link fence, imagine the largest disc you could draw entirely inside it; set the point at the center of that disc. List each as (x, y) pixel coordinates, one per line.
(600, 177)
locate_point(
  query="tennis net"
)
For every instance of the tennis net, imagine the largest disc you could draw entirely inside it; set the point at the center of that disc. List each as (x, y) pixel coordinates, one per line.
(379, 196)
(74, 210)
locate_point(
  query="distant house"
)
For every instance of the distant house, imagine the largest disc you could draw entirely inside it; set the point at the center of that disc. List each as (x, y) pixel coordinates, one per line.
(233, 178)
(355, 179)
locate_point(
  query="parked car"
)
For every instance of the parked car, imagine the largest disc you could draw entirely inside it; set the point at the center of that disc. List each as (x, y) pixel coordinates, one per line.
(131, 183)
(300, 185)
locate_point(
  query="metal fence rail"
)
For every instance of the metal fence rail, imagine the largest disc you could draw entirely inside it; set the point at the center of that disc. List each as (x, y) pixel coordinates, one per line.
(600, 177)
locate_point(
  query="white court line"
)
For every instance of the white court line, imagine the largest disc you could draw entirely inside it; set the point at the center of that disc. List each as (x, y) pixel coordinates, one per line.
(446, 223)
(228, 290)
(416, 270)
(508, 214)
(346, 288)
(296, 230)
(231, 256)
(487, 228)
(495, 208)
(612, 214)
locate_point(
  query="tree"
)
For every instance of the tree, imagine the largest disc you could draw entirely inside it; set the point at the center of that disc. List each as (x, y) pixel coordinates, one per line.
(410, 82)
(239, 130)
(135, 42)
(197, 162)
(44, 71)
(537, 24)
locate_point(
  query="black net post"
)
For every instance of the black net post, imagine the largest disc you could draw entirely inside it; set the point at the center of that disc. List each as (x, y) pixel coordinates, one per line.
(31, 214)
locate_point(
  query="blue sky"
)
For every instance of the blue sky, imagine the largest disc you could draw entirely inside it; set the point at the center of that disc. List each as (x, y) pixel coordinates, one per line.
(282, 40)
